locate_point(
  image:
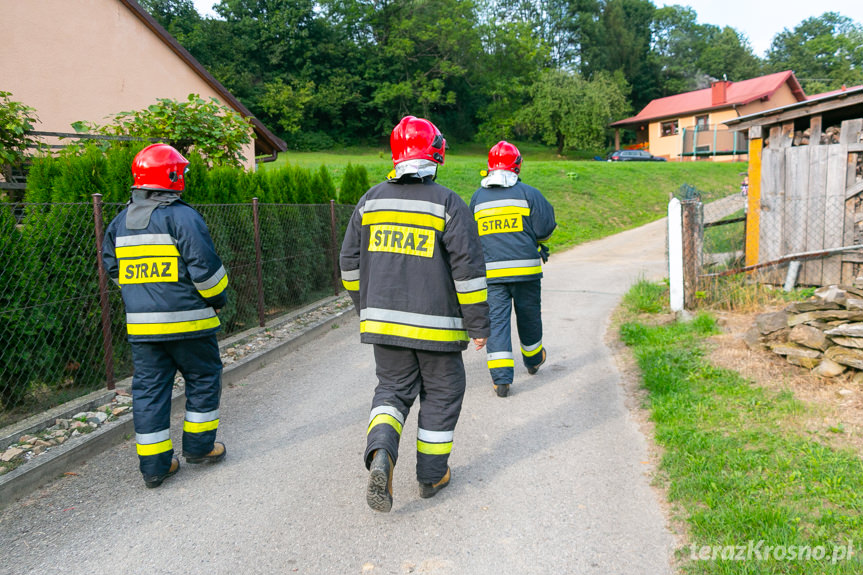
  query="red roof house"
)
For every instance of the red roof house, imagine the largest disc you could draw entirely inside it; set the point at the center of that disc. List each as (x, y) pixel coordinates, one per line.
(690, 125)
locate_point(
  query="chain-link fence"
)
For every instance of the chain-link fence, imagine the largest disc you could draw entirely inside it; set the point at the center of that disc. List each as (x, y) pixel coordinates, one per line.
(60, 339)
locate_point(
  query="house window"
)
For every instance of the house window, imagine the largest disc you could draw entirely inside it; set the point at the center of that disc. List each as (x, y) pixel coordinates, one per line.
(669, 128)
(702, 122)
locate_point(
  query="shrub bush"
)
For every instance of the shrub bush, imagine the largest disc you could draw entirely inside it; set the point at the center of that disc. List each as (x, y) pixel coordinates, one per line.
(49, 298)
(355, 183)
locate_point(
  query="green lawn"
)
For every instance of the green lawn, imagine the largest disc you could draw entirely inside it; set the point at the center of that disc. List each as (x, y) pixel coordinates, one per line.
(591, 199)
(759, 493)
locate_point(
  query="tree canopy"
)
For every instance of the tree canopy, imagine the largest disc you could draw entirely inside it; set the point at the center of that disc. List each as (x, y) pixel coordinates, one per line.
(344, 71)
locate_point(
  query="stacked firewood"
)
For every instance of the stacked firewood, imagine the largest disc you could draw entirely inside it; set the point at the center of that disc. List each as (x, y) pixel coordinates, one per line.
(823, 333)
(830, 135)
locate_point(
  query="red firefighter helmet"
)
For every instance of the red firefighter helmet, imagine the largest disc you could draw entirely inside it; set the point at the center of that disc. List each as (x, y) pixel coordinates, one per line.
(504, 156)
(417, 139)
(159, 167)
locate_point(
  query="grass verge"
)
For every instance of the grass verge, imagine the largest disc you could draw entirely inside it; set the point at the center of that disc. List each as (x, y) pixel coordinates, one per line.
(759, 494)
(591, 199)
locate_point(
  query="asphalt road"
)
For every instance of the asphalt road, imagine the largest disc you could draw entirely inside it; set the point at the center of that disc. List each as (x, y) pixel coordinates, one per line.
(551, 480)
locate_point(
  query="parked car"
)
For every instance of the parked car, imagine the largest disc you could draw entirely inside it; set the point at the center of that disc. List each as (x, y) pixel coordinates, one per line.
(633, 156)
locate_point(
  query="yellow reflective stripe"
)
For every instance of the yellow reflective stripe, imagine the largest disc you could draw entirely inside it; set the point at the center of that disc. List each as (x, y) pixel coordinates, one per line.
(412, 332)
(155, 448)
(434, 448)
(507, 272)
(150, 250)
(351, 286)
(216, 289)
(532, 352)
(504, 211)
(193, 427)
(493, 363)
(384, 418)
(473, 297)
(176, 327)
(409, 218)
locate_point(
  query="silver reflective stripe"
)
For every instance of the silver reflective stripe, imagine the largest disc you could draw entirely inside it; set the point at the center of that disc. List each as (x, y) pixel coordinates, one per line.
(350, 275)
(145, 240)
(418, 319)
(434, 436)
(513, 264)
(501, 204)
(387, 410)
(499, 355)
(361, 210)
(406, 206)
(213, 281)
(533, 347)
(116, 281)
(151, 438)
(170, 316)
(470, 285)
(194, 417)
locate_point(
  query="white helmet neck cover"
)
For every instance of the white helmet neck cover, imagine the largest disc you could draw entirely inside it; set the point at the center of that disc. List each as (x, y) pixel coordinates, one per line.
(420, 168)
(500, 179)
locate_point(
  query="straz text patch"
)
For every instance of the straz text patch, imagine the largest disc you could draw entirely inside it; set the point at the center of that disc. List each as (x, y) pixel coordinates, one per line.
(500, 224)
(402, 240)
(148, 270)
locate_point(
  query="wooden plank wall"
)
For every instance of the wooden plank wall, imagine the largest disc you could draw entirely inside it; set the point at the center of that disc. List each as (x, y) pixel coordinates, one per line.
(772, 203)
(849, 136)
(834, 213)
(796, 214)
(810, 202)
(811, 271)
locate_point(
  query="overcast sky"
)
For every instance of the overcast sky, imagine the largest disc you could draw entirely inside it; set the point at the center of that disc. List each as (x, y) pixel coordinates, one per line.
(759, 20)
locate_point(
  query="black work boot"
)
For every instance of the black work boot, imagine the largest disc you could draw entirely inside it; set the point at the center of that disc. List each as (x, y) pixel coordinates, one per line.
(502, 389)
(216, 455)
(379, 493)
(533, 369)
(430, 489)
(152, 481)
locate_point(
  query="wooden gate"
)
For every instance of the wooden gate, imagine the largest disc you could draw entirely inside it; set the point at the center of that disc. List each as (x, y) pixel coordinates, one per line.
(811, 201)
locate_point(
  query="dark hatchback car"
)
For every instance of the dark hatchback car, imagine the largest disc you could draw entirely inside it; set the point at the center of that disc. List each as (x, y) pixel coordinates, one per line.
(633, 156)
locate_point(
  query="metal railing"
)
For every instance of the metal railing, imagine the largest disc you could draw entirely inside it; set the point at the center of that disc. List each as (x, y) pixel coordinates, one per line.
(709, 140)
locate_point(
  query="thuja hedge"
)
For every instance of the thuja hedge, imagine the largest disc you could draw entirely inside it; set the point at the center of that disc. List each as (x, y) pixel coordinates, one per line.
(49, 306)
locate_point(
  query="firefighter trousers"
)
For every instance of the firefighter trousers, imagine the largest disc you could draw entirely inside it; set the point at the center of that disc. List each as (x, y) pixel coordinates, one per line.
(438, 378)
(156, 364)
(526, 298)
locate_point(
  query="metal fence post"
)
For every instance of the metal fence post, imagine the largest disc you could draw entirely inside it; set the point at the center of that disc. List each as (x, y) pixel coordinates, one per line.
(107, 342)
(334, 248)
(258, 263)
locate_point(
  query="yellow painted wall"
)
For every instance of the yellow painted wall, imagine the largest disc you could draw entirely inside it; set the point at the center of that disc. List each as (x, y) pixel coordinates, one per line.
(88, 59)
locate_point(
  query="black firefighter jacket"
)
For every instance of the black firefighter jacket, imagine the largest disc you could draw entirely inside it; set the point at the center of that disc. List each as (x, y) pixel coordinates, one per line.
(511, 222)
(169, 274)
(412, 263)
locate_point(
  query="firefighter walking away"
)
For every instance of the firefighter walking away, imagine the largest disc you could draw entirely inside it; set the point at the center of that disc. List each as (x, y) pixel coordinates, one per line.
(159, 251)
(412, 263)
(512, 219)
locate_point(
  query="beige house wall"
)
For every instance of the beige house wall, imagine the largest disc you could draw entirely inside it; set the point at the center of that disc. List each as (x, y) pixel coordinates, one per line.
(85, 60)
(781, 97)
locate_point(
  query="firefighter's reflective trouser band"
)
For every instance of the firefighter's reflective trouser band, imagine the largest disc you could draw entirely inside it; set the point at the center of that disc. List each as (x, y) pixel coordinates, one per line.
(438, 379)
(156, 364)
(525, 296)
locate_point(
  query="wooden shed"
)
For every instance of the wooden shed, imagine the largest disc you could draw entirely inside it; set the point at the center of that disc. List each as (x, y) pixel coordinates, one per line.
(805, 184)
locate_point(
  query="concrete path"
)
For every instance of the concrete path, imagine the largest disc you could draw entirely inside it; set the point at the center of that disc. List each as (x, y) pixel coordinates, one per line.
(551, 480)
